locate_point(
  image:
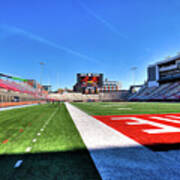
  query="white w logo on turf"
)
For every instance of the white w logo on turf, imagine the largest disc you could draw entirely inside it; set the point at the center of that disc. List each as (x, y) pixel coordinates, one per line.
(162, 127)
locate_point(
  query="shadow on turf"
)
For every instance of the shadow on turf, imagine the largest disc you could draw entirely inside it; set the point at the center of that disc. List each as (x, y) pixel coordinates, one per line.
(74, 164)
(163, 147)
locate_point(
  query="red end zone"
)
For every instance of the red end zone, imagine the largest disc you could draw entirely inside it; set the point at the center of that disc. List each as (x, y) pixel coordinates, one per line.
(157, 132)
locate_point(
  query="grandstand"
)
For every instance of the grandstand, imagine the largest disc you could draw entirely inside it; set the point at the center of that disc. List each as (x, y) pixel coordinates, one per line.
(163, 82)
(17, 91)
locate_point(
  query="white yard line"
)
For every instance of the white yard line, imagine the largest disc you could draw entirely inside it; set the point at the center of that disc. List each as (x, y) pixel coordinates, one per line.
(34, 140)
(118, 157)
(124, 108)
(49, 119)
(28, 149)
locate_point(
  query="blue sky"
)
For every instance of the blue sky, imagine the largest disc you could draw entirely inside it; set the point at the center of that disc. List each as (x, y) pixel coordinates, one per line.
(73, 36)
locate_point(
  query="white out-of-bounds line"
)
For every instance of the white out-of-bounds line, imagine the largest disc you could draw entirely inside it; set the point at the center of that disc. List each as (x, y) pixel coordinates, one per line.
(171, 116)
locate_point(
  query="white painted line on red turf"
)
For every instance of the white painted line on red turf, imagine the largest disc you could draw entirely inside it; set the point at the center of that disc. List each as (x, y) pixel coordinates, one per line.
(162, 128)
(116, 156)
(166, 119)
(28, 149)
(171, 116)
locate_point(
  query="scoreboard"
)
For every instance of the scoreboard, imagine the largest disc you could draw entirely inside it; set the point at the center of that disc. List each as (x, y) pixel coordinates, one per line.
(88, 83)
(90, 80)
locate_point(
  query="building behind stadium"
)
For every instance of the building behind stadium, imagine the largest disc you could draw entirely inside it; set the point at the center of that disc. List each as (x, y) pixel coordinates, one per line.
(164, 71)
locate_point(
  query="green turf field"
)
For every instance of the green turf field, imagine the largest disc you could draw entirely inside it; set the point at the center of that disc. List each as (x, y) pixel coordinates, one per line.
(125, 108)
(58, 153)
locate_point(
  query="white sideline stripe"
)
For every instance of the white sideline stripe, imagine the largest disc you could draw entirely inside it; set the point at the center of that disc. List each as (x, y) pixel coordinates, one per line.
(17, 107)
(118, 157)
(97, 129)
(28, 149)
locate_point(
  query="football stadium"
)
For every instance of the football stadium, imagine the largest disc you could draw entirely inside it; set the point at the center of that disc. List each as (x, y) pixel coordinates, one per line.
(88, 91)
(93, 131)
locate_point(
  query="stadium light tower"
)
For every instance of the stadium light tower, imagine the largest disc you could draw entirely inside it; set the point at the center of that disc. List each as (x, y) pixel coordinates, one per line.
(42, 68)
(58, 86)
(133, 69)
